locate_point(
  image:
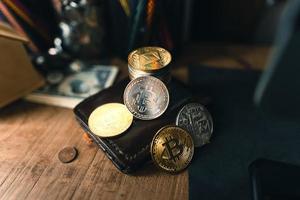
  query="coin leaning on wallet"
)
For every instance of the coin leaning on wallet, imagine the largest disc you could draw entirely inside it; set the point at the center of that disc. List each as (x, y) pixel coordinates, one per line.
(172, 149)
(196, 119)
(110, 120)
(146, 97)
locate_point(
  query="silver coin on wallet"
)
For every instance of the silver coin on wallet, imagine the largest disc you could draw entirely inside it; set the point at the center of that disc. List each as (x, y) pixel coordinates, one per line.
(146, 97)
(196, 119)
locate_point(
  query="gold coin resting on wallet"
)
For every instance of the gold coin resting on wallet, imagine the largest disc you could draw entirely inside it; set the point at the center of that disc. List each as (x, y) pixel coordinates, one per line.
(110, 120)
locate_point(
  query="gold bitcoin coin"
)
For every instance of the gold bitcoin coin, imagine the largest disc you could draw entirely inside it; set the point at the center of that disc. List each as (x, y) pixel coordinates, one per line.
(172, 149)
(149, 58)
(110, 119)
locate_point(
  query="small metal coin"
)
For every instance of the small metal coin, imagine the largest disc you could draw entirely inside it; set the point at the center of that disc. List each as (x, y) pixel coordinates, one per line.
(67, 154)
(149, 58)
(146, 97)
(110, 120)
(172, 149)
(195, 118)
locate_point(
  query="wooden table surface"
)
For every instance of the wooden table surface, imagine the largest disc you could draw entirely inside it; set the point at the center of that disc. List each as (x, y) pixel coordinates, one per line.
(31, 135)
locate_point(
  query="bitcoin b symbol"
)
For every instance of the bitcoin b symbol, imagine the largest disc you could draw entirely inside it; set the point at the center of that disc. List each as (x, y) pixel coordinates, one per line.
(173, 149)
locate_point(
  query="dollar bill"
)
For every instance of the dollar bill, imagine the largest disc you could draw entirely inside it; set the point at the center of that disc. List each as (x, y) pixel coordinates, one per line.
(67, 90)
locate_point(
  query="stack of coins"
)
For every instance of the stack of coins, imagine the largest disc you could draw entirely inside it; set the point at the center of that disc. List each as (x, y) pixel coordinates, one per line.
(150, 61)
(146, 97)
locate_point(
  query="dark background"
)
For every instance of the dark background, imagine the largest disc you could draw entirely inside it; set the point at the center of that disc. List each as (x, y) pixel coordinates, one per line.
(235, 21)
(214, 21)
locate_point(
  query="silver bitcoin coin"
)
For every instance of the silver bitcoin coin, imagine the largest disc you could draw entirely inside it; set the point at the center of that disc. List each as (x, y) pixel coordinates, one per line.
(196, 119)
(146, 97)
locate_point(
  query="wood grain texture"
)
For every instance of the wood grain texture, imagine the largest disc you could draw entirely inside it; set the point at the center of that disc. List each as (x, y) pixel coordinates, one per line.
(31, 136)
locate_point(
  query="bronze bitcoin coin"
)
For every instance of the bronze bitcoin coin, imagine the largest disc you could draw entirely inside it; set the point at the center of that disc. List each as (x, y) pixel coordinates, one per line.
(172, 149)
(146, 97)
(196, 119)
(149, 58)
(67, 154)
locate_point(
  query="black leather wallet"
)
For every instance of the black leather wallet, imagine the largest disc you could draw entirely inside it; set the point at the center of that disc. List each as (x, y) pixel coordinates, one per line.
(131, 149)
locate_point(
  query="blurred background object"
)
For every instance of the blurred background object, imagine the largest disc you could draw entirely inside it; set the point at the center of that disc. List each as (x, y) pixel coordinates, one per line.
(35, 19)
(82, 29)
(17, 76)
(68, 89)
(70, 36)
(235, 21)
(90, 29)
